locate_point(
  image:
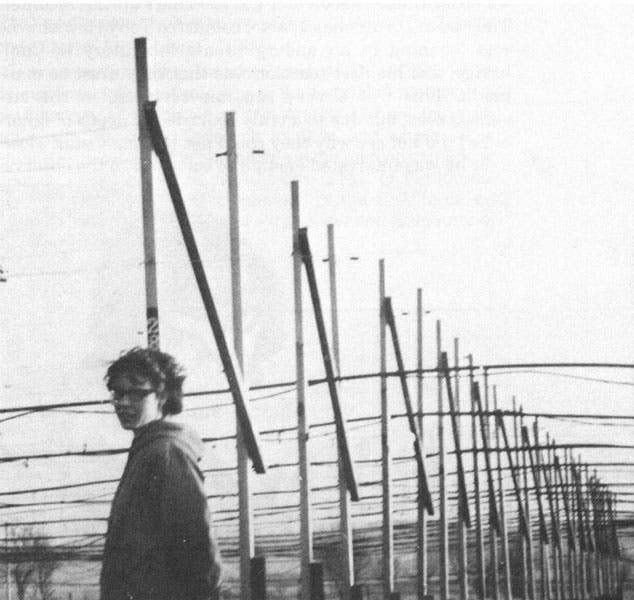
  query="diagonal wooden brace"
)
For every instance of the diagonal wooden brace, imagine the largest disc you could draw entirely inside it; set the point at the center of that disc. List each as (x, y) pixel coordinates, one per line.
(462, 486)
(420, 459)
(509, 456)
(493, 511)
(229, 363)
(340, 424)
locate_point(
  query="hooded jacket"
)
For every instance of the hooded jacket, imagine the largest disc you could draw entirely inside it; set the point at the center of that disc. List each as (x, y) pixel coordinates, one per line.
(159, 545)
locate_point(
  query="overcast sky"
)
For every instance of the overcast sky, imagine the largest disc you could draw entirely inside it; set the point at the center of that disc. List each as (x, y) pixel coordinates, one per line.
(487, 153)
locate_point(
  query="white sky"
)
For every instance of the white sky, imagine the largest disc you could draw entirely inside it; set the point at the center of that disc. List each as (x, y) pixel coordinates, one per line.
(485, 152)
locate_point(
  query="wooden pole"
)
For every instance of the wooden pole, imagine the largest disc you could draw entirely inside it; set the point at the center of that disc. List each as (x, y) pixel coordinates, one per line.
(597, 535)
(527, 504)
(553, 518)
(615, 545)
(535, 463)
(593, 584)
(558, 554)
(523, 540)
(567, 590)
(386, 458)
(573, 547)
(8, 565)
(582, 545)
(245, 509)
(481, 573)
(504, 528)
(145, 147)
(345, 527)
(421, 531)
(493, 543)
(444, 537)
(462, 526)
(306, 533)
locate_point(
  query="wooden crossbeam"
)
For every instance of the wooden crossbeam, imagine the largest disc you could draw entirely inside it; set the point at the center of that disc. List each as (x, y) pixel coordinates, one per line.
(340, 424)
(229, 363)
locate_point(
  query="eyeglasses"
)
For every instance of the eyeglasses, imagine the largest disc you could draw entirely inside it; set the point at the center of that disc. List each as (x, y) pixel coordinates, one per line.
(134, 395)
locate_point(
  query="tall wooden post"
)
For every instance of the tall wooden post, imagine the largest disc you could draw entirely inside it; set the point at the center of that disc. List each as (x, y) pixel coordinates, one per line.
(145, 147)
(597, 535)
(481, 572)
(504, 528)
(386, 457)
(8, 565)
(463, 581)
(553, 520)
(523, 541)
(247, 544)
(527, 504)
(347, 556)
(557, 550)
(495, 585)
(573, 545)
(421, 532)
(582, 588)
(594, 572)
(306, 533)
(443, 534)
(543, 528)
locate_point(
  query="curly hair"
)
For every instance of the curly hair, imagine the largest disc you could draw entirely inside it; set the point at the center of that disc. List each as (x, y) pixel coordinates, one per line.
(159, 368)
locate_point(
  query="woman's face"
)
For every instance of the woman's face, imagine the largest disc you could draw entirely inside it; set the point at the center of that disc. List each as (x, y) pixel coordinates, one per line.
(135, 401)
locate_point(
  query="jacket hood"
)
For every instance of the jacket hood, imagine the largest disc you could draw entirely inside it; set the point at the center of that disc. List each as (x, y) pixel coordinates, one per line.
(183, 436)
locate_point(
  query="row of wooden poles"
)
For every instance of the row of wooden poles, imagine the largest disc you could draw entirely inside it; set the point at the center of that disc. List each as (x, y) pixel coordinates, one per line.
(576, 556)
